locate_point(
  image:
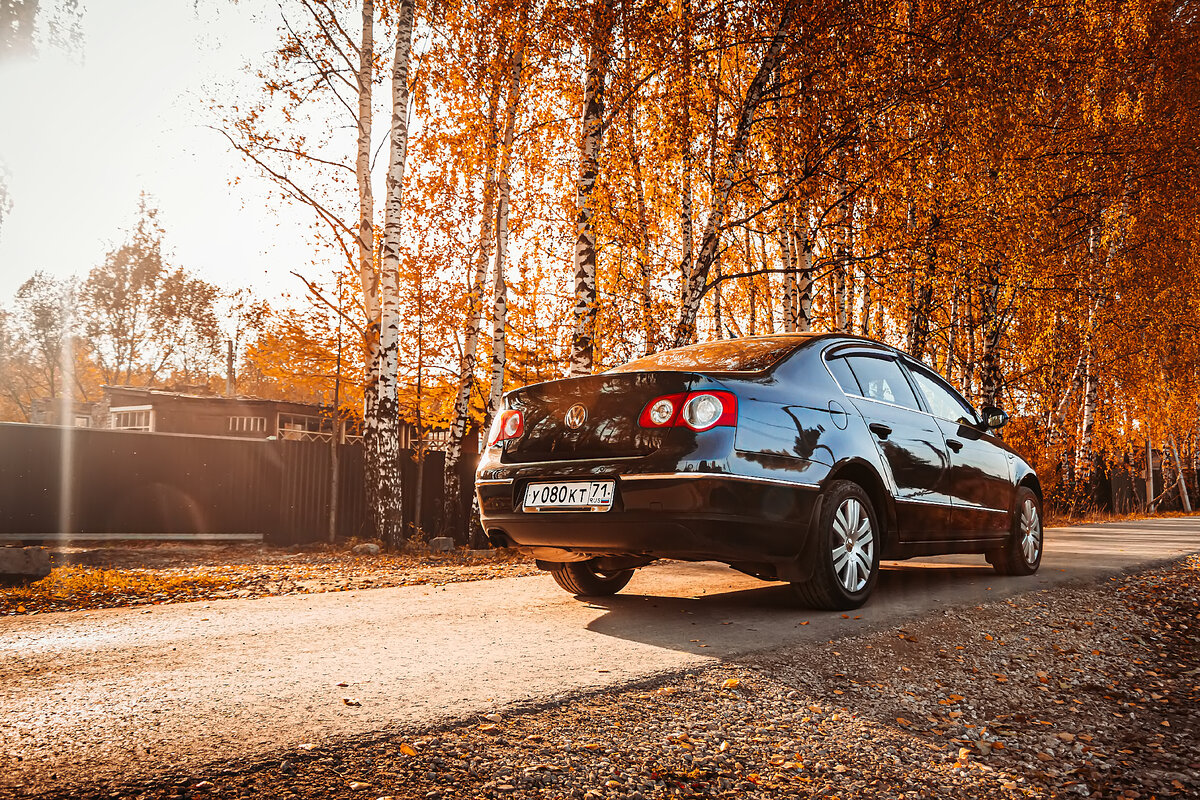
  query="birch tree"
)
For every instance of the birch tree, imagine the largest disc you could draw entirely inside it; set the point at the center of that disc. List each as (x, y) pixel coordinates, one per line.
(591, 134)
(381, 431)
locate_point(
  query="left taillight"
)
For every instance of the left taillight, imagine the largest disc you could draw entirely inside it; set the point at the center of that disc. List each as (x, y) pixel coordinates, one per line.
(508, 424)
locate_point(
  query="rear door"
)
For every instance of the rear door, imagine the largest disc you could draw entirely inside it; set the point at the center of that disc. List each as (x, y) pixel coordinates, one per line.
(980, 481)
(908, 439)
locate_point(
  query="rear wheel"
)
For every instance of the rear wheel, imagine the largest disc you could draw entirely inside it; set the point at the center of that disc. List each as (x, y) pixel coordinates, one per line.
(847, 550)
(1022, 553)
(584, 579)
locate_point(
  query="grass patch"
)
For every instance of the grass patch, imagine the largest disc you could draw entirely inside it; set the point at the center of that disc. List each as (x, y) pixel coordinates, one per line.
(72, 587)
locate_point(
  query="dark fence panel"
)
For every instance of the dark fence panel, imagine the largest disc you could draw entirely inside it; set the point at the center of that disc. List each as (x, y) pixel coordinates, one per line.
(81, 481)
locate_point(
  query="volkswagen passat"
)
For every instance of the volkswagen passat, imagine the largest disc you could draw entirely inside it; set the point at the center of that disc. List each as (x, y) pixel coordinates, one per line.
(802, 457)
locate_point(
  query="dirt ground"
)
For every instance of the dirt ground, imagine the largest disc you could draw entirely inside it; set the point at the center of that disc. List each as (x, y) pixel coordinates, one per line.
(1067, 692)
(128, 574)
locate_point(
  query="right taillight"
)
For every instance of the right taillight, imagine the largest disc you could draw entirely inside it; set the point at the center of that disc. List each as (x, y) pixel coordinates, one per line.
(508, 424)
(696, 410)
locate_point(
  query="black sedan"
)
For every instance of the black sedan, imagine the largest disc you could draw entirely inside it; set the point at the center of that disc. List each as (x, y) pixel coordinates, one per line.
(802, 457)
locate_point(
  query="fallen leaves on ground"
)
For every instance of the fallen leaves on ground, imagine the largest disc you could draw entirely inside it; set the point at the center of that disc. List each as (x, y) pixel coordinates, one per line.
(153, 574)
(1092, 730)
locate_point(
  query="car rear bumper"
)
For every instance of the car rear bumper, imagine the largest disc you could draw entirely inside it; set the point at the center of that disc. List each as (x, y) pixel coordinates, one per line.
(690, 516)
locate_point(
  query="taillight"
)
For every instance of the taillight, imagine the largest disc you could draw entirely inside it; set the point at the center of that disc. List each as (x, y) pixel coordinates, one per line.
(663, 412)
(696, 410)
(508, 424)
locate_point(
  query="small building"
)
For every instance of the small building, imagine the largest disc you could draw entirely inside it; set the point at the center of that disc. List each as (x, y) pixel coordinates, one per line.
(77, 414)
(129, 408)
(196, 411)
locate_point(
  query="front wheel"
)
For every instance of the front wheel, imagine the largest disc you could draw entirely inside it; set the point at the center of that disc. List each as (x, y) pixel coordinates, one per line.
(1022, 553)
(583, 579)
(847, 542)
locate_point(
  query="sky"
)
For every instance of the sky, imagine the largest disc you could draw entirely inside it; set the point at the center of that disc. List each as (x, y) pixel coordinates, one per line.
(82, 135)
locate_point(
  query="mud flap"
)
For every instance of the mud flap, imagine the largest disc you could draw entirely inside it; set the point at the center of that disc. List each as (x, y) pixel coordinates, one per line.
(800, 569)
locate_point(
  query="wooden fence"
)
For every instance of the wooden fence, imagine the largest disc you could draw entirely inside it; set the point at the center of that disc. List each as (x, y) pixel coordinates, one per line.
(90, 481)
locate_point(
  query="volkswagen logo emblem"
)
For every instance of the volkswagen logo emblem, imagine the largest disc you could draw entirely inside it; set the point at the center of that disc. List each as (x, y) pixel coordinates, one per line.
(576, 416)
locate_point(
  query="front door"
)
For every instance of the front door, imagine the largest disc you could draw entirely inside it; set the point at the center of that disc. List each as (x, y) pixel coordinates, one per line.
(980, 480)
(910, 443)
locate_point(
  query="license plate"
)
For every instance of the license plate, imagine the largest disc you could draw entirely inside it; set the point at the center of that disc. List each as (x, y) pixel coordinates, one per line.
(569, 496)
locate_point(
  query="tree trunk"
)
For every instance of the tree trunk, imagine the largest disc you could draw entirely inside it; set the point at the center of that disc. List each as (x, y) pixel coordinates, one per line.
(644, 268)
(382, 433)
(840, 287)
(687, 231)
(804, 280)
(685, 330)
(1084, 459)
(1183, 490)
(591, 135)
(500, 307)
(718, 332)
(787, 263)
(768, 291)
(367, 276)
(452, 493)
(992, 379)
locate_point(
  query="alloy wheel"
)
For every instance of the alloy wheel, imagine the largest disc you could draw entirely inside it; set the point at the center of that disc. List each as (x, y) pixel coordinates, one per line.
(854, 545)
(1031, 531)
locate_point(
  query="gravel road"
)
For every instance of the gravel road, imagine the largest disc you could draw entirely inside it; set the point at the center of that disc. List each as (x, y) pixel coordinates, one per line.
(126, 692)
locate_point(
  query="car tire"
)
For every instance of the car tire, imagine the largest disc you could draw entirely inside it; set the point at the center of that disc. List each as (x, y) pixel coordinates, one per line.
(581, 578)
(1022, 553)
(846, 547)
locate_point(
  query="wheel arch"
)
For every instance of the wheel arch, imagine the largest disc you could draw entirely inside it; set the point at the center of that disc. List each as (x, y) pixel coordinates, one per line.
(862, 473)
(1031, 482)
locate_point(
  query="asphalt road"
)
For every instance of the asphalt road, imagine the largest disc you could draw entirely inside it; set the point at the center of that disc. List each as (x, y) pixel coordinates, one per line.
(128, 691)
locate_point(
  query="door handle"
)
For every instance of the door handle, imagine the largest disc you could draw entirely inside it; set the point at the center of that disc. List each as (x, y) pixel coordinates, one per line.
(954, 444)
(880, 430)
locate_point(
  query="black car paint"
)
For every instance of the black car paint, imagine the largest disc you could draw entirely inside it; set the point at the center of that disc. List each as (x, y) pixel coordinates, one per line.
(747, 495)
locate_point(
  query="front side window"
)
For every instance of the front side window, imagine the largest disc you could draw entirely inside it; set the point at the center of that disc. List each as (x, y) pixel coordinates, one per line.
(881, 379)
(943, 401)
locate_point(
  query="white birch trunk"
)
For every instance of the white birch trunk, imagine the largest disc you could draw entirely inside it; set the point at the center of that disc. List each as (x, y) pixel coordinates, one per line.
(648, 327)
(787, 263)
(687, 230)
(1183, 490)
(382, 434)
(718, 332)
(583, 340)
(452, 493)
(685, 330)
(500, 284)
(804, 280)
(368, 278)
(1084, 458)
(841, 300)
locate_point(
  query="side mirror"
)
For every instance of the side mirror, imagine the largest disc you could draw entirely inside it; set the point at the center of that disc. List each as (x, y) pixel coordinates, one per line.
(993, 418)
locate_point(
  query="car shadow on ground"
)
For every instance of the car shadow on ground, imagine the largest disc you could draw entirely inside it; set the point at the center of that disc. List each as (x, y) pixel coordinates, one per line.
(734, 622)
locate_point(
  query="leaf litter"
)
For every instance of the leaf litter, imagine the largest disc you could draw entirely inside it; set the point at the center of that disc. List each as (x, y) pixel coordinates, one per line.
(86, 578)
(1092, 675)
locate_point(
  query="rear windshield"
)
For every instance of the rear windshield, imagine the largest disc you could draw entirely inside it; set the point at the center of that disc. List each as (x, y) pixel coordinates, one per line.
(728, 355)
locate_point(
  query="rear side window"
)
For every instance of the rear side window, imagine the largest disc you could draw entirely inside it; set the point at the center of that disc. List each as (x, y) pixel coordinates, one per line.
(881, 379)
(728, 355)
(845, 378)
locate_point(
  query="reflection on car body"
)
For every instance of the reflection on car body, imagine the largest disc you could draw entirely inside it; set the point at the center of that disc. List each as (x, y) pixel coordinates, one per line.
(798, 457)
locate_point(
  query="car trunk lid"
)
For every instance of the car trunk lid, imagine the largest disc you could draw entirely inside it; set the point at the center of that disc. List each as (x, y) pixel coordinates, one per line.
(613, 402)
